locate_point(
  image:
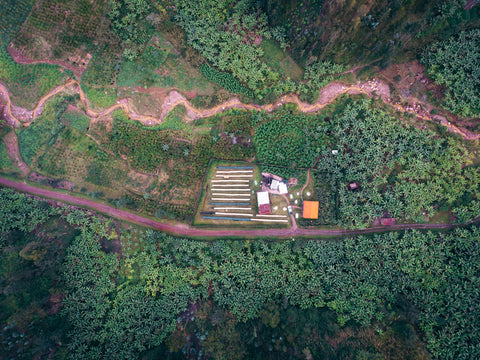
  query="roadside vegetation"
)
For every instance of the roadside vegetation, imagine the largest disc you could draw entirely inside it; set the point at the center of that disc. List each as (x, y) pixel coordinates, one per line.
(399, 295)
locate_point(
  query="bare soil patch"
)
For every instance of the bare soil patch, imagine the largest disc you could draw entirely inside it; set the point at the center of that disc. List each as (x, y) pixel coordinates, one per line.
(56, 184)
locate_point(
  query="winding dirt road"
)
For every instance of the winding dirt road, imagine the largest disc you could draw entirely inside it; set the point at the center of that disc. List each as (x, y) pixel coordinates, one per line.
(174, 98)
(18, 117)
(185, 230)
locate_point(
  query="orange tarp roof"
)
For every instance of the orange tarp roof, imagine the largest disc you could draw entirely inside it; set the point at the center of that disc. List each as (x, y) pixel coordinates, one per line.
(310, 209)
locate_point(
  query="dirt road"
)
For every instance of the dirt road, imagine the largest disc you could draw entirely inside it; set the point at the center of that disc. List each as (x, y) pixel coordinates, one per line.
(185, 230)
(372, 88)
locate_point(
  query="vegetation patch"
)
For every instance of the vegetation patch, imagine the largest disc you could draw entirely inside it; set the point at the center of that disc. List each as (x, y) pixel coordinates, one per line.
(225, 80)
(454, 63)
(27, 83)
(289, 142)
(400, 170)
(13, 13)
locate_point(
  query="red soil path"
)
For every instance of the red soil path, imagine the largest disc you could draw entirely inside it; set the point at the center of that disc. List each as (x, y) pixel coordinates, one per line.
(185, 230)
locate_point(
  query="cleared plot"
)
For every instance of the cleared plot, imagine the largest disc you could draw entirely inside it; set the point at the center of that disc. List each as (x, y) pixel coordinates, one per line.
(230, 196)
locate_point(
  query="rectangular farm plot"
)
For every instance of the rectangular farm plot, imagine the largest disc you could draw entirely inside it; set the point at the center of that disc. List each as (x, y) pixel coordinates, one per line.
(230, 197)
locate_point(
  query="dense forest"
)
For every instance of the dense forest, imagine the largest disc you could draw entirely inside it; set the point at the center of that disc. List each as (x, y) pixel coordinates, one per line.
(401, 170)
(122, 292)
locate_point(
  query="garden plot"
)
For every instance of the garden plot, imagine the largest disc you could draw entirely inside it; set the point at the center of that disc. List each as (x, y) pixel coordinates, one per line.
(231, 196)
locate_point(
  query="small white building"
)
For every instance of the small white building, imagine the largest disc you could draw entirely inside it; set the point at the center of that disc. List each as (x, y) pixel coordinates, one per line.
(282, 188)
(275, 184)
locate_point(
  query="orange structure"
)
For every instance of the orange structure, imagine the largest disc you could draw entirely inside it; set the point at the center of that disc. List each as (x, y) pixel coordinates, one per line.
(310, 209)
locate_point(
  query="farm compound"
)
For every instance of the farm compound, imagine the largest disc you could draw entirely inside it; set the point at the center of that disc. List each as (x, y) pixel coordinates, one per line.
(230, 197)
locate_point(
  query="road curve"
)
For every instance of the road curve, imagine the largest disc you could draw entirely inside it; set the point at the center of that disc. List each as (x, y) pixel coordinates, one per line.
(186, 230)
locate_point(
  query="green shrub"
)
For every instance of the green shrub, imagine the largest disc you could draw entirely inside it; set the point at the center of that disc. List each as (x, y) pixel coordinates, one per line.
(225, 80)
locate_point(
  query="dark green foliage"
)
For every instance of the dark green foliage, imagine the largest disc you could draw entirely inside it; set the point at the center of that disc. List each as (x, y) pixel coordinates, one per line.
(225, 80)
(88, 277)
(467, 212)
(5, 161)
(21, 212)
(290, 141)
(115, 320)
(401, 170)
(454, 63)
(365, 31)
(228, 36)
(13, 13)
(129, 22)
(120, 305)
(360, 278)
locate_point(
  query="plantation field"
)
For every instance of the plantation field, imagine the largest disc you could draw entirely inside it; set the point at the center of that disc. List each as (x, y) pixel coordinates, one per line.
(289, 141)
(13, 13)
(57, 29)
(156, 170)
(28, 83)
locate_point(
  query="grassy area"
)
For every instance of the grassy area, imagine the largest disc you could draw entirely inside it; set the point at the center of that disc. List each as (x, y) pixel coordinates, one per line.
(275, 58)
(163, 65)
(102, 97)
(175, 120)
(76, 119)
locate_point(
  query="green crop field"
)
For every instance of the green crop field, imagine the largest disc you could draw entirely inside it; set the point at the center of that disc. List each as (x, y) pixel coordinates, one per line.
(27, 83)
